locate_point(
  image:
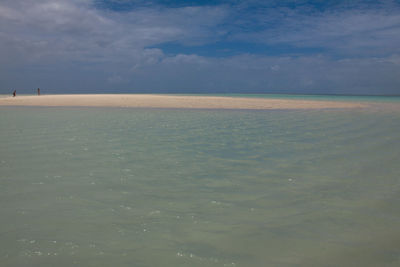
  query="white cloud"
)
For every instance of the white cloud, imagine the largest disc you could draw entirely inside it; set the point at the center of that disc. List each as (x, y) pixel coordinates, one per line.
(356, 32)
(257, 74)
(61, 29)
(185, 59)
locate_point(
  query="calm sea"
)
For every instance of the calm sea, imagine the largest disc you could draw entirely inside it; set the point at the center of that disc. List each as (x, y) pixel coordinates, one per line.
(153, 187)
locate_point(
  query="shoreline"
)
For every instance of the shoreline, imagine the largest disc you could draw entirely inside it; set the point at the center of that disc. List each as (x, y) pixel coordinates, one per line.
(173, 101)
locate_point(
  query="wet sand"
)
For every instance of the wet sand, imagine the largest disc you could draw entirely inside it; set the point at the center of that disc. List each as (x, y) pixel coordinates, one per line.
(173, 101)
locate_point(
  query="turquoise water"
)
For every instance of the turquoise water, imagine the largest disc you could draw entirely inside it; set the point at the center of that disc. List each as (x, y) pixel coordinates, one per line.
(373, 99)
(154, 187)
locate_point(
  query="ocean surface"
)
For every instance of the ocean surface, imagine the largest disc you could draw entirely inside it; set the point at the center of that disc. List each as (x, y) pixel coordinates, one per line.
(154, 187)
(351, 98)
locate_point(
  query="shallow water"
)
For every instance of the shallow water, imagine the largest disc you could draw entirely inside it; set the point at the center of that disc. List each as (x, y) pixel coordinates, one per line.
(153, 187)
(345, 98)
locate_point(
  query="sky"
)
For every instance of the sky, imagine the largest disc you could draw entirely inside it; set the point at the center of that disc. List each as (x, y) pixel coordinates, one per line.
(204, 46)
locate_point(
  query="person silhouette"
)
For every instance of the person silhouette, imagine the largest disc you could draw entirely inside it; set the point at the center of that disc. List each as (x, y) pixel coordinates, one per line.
(14, 93)
(38, 91)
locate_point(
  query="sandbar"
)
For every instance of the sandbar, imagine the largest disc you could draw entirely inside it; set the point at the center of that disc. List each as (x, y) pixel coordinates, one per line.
(173, 101)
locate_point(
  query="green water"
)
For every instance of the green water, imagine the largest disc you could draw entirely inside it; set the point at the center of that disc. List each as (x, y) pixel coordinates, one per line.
(153, 187)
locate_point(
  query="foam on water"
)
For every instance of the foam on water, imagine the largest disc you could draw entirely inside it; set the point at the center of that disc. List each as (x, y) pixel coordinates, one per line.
(144, 187)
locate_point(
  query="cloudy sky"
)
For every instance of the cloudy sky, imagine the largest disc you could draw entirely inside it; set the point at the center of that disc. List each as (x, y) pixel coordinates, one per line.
(204, 46)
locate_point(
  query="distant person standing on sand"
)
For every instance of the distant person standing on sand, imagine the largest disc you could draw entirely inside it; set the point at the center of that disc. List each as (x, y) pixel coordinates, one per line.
(14, 93)
(38, 91)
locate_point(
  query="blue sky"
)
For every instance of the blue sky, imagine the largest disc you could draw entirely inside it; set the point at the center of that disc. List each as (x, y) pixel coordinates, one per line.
(165, 46)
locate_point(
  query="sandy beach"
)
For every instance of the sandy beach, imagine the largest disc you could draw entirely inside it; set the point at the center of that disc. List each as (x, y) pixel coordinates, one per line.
(172, 101)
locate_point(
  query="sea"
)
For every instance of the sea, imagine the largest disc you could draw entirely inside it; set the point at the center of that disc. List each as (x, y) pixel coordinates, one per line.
(143, 187)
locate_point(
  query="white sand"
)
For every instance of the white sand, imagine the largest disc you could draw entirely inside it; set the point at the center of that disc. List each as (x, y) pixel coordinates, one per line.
(172, 101)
